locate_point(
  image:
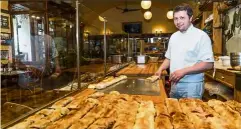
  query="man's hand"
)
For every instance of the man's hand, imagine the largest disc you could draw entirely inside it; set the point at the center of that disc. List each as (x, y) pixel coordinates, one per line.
(159, 72)
(176, 76)
(164, 66)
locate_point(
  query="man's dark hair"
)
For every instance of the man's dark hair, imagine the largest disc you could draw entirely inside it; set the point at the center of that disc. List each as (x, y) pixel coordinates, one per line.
(184, 7)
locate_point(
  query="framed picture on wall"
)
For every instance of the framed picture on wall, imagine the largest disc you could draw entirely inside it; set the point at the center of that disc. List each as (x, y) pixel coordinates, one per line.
(4, 22)
(232, 30)
(132, 27)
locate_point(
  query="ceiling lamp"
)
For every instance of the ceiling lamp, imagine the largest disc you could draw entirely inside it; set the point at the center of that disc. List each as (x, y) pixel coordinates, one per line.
(170, 14)
(146, 4)
(101, 19)
(147, 15)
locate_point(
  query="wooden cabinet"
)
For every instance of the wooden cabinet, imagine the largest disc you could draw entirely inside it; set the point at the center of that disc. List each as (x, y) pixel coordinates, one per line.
(229, 78)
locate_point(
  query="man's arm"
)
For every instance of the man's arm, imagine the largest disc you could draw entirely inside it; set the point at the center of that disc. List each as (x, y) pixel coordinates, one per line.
(197, 68)
(164, 66)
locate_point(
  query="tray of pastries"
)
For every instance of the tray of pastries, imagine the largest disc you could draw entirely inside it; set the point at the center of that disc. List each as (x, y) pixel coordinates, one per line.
(123, 111)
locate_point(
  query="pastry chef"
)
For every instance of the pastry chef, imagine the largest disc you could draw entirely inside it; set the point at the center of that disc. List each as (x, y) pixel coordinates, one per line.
(188, 55)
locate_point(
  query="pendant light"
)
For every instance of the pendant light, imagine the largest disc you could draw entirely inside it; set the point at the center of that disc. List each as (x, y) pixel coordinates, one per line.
(147, 15)
(170, 12)
(146, 4)
(101, 19)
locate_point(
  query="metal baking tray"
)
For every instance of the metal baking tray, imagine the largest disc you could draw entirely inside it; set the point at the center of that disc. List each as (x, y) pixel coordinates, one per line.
(134, 86)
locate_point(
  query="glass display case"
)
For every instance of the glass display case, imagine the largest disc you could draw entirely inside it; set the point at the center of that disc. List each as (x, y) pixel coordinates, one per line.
(55, 54)
(45, 55)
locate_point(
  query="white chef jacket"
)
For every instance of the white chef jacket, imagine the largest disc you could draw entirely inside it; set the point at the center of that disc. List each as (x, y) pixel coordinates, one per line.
(187, 48)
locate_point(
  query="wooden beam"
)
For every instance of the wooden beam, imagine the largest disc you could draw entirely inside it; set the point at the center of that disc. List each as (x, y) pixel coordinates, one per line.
(217, 30)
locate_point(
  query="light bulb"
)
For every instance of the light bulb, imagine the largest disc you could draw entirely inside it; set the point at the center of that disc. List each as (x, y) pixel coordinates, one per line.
(101, 19)
(147, 15)
(170, 14)
(146, 4)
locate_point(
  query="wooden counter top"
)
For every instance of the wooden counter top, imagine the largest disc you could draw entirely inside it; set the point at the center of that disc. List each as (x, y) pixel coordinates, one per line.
(156, 99)
(144, 70)
(92, 68)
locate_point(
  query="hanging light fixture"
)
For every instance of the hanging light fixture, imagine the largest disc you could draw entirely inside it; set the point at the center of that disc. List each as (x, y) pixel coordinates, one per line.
(170, 14)
(146, 4)
(101, 18)
(147, 15)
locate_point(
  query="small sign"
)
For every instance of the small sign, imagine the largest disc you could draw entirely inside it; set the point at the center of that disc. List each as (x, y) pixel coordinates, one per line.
(4, 22)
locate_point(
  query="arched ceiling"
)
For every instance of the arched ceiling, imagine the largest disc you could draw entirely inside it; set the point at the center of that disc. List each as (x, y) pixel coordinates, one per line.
(100, 6)
(90, 9)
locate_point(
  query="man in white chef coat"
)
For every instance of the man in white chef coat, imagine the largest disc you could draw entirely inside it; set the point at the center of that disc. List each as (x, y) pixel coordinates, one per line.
(189, 54)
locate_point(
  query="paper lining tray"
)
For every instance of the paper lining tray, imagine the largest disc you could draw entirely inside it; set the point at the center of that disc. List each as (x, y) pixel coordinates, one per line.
(134, 87)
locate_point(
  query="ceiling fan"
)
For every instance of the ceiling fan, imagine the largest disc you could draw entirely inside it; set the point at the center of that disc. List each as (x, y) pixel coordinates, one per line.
(125, 10)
